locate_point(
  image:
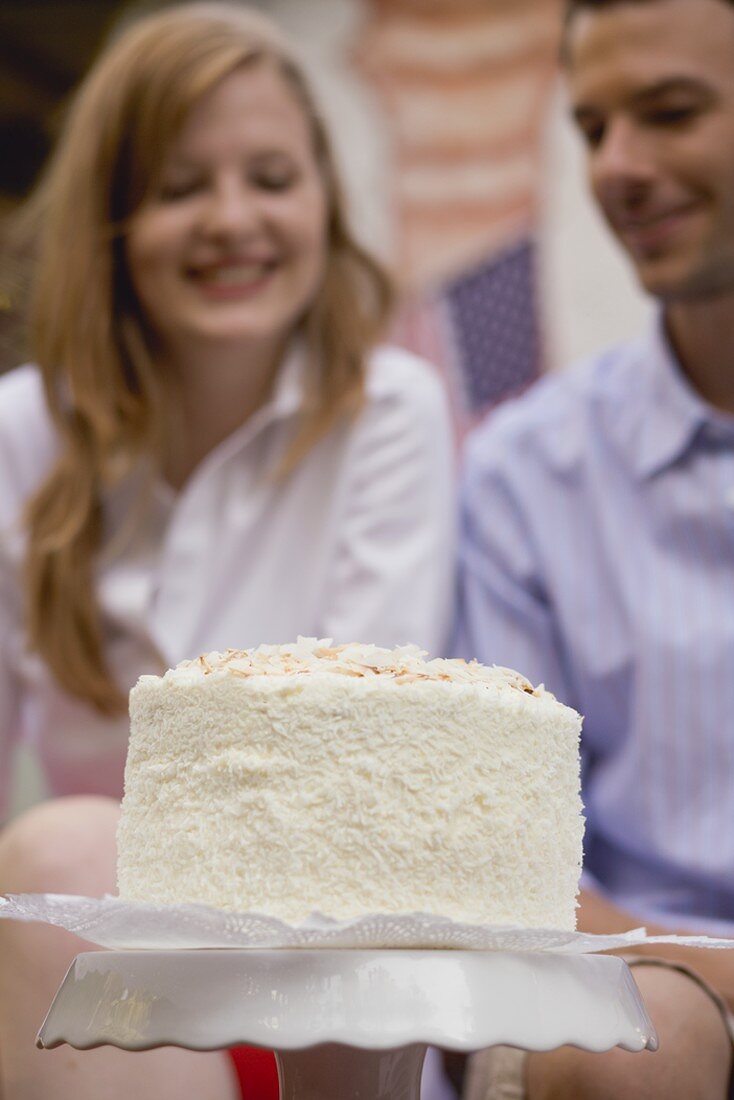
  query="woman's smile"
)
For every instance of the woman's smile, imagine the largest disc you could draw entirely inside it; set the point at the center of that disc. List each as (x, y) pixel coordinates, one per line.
(232, 279)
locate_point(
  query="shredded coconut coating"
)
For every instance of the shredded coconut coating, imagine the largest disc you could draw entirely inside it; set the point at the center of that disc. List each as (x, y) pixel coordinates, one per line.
(350, 780)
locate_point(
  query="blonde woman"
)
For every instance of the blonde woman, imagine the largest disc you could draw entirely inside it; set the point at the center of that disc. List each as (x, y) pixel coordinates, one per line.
(209, 450)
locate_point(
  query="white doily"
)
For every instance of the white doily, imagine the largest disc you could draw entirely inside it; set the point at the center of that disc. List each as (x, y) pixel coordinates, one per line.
(117, 924)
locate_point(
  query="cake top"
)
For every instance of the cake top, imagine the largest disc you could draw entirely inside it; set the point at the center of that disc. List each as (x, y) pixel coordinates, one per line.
(404, 664)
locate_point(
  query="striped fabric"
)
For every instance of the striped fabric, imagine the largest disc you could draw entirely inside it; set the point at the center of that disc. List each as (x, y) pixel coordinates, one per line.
(598, 558)
(465, 86)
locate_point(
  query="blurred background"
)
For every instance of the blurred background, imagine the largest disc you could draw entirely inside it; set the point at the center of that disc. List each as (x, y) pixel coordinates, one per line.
(461, 169)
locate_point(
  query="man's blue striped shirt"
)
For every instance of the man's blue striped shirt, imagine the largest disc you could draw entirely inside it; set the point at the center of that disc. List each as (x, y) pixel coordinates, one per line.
(598, 558)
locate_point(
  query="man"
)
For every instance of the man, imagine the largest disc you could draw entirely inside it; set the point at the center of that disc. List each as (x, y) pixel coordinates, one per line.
(599, 541)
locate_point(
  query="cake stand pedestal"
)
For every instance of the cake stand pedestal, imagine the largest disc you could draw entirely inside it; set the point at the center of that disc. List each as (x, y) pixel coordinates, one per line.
(347, 1024)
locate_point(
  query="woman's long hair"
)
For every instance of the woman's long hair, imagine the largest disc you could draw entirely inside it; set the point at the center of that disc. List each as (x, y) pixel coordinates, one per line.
(87, 332)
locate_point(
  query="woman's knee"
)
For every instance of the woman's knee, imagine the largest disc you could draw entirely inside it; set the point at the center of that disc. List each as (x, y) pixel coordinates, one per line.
(66, 845)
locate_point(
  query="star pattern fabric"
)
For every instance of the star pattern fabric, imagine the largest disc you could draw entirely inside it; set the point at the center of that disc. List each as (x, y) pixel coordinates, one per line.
(494, 318)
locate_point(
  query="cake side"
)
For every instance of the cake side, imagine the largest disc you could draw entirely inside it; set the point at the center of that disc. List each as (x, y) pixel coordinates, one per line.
(309, 789)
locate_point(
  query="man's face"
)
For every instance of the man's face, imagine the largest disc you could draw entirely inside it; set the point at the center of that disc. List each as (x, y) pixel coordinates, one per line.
(652, 89)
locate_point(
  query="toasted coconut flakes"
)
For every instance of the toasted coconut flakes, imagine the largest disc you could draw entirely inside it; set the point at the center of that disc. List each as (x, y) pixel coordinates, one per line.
(403, 665)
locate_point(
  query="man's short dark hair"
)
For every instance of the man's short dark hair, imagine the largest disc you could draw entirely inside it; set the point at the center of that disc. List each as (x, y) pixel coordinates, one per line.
(575, 6)
(572, 6)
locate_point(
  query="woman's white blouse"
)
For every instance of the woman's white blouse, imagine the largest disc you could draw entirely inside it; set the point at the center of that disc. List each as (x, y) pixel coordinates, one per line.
(356, 544)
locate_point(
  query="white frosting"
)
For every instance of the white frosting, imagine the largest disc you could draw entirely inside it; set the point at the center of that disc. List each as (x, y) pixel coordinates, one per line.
(352, 779)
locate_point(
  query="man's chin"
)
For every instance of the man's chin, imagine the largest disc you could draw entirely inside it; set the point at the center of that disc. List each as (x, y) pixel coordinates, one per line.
(686, 282)
(671, 285)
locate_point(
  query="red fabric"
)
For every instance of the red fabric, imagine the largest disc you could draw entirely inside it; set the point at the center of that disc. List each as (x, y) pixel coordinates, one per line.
(257, 1073)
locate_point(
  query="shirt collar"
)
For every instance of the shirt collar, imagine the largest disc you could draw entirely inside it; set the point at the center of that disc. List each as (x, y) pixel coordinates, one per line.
(670, 415)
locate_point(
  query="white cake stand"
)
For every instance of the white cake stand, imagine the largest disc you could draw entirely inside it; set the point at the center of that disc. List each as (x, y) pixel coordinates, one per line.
(347, 1024)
